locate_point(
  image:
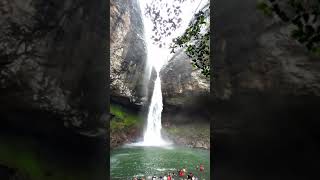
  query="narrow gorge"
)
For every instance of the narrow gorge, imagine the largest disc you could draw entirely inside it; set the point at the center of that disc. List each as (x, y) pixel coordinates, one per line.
(131, 93)
(157, 126)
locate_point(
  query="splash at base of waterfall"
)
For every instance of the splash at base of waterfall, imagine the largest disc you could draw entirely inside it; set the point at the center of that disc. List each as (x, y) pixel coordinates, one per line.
(152, 135)
(163, 144)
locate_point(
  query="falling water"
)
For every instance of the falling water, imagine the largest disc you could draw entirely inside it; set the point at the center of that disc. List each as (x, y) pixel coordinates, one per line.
(156, 58)
(152, 135)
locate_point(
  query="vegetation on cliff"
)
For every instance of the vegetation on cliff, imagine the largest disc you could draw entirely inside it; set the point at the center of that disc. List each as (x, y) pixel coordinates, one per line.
(123, 119)
(196, 41)
(125, 126)
(196, 38)
(303, 15)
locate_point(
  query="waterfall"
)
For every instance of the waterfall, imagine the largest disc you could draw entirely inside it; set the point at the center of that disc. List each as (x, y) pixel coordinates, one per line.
(156, 58)
(152, 135)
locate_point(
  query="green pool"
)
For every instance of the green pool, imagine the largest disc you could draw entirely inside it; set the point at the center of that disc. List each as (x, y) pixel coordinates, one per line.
(127, 162)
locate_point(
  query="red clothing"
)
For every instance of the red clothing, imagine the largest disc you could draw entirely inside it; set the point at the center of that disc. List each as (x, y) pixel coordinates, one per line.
(169, 177)
(181, 173)
(201, 168)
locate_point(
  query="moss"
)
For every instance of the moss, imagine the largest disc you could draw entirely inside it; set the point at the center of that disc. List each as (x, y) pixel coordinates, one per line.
(124, 119)
(117, 111)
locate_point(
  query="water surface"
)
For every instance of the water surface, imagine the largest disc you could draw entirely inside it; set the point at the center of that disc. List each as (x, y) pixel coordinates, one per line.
(127, 162)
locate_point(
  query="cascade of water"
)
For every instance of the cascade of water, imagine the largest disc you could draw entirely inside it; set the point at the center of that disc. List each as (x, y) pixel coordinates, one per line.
(152, 135)
(156, 58)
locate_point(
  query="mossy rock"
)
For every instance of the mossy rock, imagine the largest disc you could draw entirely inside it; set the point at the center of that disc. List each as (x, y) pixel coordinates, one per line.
(124, 119)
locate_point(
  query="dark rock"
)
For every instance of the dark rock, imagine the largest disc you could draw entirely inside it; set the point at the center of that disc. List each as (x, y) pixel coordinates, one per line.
(126, 136)
(7, 173)
(255, 52)
(265, 93)
(53, 77)
(194, 135)
(184, 91)
(181, 82)
(53, 64)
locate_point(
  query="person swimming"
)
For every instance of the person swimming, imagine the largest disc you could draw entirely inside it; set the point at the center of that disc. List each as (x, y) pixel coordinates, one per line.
(190, 176)
(201, 167)
(182, 172)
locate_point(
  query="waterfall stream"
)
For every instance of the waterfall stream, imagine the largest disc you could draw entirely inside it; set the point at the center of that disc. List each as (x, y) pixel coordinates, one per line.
(152, 136)
(157, 57)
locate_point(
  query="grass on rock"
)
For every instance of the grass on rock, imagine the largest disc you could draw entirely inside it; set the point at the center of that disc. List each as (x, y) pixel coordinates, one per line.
(124, 119)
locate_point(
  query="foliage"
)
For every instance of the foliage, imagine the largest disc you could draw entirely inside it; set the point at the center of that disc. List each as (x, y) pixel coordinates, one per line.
(123, 119)
(163, 26)
(196, 43)
(195, 40)
(304, 15)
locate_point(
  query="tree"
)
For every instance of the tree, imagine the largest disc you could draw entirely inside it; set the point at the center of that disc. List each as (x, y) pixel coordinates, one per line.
(304, 15)
(195, 40)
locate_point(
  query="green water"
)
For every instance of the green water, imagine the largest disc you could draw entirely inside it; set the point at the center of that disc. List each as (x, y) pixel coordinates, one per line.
(127, 162)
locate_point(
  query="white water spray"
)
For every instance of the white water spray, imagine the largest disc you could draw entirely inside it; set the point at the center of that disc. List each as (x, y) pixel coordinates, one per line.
(152, 136)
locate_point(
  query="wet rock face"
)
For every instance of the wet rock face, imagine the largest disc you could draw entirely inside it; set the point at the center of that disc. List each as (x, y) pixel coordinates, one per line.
(128, 61)
(125, 137)
(181, 82)
(266, 88)
(52, 61)
(193, 135)
(256, 53)
(128, 51)
(261, 73)
(184, 89)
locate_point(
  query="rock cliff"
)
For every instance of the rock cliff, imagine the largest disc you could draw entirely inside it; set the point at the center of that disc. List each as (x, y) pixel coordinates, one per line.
(256, 53)
(52, 71)
(184, 89)
(256, 58)
(265, 90)
(53, 89)
(128, 61)
(181, 82)
(128, 51)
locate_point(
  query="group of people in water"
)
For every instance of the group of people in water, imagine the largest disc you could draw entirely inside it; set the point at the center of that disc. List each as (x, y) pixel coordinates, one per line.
(180, 175)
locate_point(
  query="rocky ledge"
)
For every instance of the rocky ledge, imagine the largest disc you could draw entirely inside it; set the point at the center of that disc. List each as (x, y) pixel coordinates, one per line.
(190, 135)
(124, 137)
